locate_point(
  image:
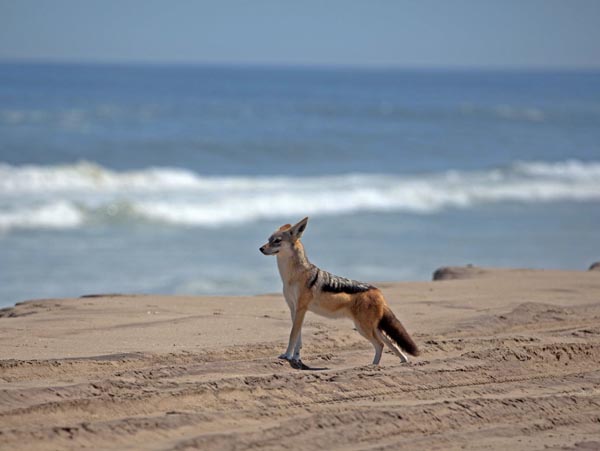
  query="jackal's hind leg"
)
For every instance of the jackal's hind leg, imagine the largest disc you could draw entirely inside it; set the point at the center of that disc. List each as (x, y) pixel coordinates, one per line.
(378, 351)
(375, 341)
(393, 346)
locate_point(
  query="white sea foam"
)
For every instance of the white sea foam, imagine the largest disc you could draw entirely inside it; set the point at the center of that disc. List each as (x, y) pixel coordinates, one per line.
(570, 169)
(75, 195)
(91, 177)
(54, 215)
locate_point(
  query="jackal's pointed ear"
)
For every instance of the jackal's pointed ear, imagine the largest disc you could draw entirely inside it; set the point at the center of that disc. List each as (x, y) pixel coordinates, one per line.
(284, 227)
(298, 229)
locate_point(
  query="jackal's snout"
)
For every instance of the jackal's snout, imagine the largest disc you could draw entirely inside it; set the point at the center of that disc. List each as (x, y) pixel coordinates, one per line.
(267, 249)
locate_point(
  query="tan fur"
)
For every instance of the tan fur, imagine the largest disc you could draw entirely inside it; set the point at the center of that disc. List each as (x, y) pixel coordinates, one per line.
(366, 309)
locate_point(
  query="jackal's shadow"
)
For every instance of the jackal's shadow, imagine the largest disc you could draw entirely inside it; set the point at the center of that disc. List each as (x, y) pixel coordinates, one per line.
(300, 365)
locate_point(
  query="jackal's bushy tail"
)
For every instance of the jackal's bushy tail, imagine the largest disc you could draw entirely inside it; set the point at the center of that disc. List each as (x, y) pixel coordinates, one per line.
(394, 329)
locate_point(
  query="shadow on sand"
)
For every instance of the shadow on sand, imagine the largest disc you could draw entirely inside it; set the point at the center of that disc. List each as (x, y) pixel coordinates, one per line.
(299, 365)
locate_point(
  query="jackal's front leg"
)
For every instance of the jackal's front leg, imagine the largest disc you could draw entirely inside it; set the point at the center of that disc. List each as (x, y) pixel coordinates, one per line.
(298, 346)
(293, 349)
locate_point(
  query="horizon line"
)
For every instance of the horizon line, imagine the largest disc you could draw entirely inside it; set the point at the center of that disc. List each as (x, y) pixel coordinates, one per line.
(298, 65)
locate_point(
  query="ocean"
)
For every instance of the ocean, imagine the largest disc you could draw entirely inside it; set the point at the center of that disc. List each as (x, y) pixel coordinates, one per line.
(167, 179)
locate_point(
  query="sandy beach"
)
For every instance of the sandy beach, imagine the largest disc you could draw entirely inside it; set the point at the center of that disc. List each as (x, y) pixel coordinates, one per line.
(510, 360)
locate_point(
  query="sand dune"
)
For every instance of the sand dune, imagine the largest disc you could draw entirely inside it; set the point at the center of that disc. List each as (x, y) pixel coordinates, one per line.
(510, 360)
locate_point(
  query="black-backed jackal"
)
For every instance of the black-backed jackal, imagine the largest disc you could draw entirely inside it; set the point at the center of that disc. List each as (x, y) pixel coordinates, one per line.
(306, 287)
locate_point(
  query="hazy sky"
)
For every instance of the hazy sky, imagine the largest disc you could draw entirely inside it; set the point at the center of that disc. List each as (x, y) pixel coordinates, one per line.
(445, 33)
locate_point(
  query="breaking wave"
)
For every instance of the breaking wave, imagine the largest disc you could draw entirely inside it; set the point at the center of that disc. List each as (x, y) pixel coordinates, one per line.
(71, 196)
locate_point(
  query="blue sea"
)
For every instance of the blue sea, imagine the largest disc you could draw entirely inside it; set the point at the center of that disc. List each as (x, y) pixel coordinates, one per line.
(167, 179)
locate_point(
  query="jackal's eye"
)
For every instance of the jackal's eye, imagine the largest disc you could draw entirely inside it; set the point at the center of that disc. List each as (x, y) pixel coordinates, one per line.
(276, 241)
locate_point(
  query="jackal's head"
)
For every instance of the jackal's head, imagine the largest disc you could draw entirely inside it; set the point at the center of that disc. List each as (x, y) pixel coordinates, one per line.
(284, 238)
